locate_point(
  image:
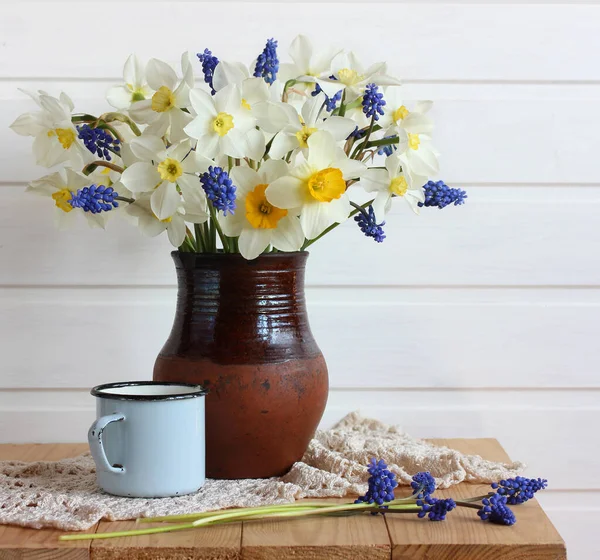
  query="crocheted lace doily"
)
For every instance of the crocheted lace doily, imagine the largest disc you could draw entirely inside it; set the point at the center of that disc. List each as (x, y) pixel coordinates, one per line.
(63, 494)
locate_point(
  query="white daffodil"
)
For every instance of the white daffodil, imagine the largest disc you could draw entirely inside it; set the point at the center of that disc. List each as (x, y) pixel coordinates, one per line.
(224, 126)
(55, 136)
(163, 112)
(348, 74)
(393, 181)
(135, 88)
(174, 224)
(257, 222)
(317, 186)
(307, 64)
(162, 170)
(313, 117)
(60, 187)
(414, 143)
(397, 114)
(254, 91)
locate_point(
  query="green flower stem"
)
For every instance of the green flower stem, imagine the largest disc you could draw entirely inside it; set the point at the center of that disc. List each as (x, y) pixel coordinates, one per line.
(112, 117)
(229, 163)
(188, 245)
(200, 245)
(359, 150)
(84, 118)
(308, 243)
(477, 498)
(133, 533)
(464, 503)
(125, 199)
(214, 223)
(342, 110)
(112, 130)
(261, 509)
(90, 167)
(383, 142)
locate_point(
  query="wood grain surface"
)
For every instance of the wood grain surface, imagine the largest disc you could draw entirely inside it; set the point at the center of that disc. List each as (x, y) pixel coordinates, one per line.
(398, 537)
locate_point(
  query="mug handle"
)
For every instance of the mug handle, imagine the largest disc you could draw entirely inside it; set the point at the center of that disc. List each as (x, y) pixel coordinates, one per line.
(95, 441)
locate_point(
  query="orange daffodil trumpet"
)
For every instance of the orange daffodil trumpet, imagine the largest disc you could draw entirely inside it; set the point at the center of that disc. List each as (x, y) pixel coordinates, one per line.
(252, 158)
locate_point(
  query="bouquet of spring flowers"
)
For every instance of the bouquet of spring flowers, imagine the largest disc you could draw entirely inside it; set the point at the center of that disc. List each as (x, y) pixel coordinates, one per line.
(253, 159)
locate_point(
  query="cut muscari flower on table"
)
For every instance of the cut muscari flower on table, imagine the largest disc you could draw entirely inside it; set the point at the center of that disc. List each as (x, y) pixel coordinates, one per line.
(378, 499)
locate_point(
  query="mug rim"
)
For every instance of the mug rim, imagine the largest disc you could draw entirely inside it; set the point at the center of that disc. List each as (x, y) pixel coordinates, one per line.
(195, 391)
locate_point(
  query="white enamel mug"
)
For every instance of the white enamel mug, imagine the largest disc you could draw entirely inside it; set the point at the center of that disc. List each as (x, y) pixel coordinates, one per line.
(148, 439)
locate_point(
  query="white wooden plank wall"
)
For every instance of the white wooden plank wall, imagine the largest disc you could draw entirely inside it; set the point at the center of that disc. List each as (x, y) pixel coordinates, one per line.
(476, 321)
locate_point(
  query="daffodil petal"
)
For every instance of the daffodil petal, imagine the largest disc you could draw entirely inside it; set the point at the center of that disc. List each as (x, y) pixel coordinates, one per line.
(164, 200)
(321, 149)
(286, 192)
(159, 73)
(176, 230)
(148, 148)
(252, 242)
(140, 177)
(288, 235)
(315, 218)
(375, 180)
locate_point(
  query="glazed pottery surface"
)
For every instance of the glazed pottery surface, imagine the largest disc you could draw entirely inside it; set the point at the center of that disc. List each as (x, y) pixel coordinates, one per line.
(241, 331)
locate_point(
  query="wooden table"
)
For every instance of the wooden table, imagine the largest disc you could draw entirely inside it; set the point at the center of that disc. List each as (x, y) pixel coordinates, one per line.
(403, 537)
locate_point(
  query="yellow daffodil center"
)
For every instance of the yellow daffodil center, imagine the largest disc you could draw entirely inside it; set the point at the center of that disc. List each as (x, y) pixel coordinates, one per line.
(399, 186)
(349, 77)
(400, 113)
(413, 141)
(66, 136)
(327, 185)
(223, 123)
(163, 100)
(246, 105)
(303, 135)
(170, 170)
(61, 199)
(260, 212)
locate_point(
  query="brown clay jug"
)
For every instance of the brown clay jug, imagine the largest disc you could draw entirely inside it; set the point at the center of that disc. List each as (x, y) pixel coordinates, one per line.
(241, 330)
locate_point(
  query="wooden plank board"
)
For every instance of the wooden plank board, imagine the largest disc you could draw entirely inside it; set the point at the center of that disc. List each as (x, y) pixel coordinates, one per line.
(464, 536)
(431, 42)
(17, 543)
(209, 543)
(360, 538)
(496, 326)
(501, 237)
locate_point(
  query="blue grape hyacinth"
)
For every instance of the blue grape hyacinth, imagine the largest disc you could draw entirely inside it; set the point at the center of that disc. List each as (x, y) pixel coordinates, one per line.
(520, 489)
(209, 63)
(219, 189)
(441, 195)
(373, 102)
(495, 510)
(267, 63)
(98, 141)
(368, 224)
(434, 508)
(423, 485)
(381, 484)
(95, 199)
